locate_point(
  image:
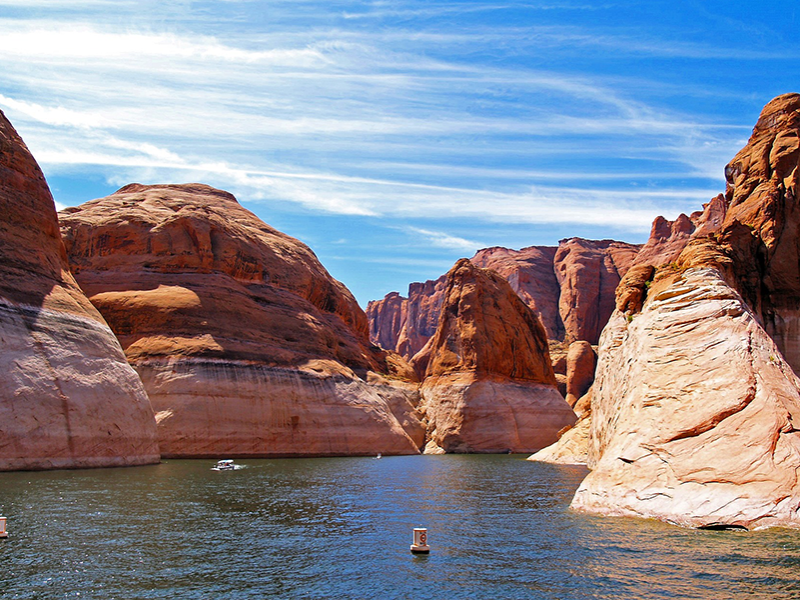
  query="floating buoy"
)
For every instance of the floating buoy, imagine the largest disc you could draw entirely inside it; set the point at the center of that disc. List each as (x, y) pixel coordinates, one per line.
(3, 533)
(420, 545)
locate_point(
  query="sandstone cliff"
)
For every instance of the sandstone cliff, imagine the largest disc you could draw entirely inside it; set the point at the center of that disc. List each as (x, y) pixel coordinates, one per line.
(68, 398)
(696, 396)
(530, 273)
(245, 344)
(489, 385)
(588, 273)
(692, 413)
(569, 287)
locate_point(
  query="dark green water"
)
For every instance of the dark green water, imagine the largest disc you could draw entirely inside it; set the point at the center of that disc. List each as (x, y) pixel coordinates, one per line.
(499, 527)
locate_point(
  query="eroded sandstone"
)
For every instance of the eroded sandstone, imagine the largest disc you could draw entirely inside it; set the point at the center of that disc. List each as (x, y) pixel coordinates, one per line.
(68, 398)
(692, 413)
(244, 342)
(489, 385)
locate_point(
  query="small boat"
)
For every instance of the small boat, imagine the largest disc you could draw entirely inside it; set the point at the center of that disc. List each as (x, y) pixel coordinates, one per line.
(379, 455)
(225, 465)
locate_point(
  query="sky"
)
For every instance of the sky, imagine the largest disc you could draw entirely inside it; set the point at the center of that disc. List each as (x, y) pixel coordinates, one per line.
(394, 137)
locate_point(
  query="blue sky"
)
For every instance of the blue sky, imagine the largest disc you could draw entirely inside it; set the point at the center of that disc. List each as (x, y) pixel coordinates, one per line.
(395, 137)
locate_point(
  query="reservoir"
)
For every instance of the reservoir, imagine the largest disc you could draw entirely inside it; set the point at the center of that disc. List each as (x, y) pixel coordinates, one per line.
(499, 527)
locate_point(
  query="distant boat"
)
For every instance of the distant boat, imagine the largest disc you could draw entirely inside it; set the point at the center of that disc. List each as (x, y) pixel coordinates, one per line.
(226, 465)
(379, 455)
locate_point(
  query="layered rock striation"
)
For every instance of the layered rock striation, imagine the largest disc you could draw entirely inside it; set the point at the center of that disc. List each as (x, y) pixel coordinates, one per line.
(696, 398)
(68, 398)
(693, 413)
(245, 344)
(489, 385)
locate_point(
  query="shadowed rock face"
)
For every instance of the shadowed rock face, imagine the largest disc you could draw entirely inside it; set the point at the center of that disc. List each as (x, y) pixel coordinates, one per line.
(695, 399)
(243, 339)
(588, 272)
(489, 385)
(581, 361)
(389, 317)
(406, 324)
(762, 195)
(68, 398)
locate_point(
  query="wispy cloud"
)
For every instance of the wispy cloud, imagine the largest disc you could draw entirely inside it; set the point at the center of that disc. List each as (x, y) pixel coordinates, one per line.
(445, 240)
(407, 112)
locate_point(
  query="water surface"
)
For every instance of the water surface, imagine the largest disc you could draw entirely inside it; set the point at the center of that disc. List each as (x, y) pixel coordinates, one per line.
(499, 527)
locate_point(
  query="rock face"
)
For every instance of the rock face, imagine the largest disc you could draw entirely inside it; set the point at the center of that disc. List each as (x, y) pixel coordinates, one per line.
(387, 318)
(489, 384)
(581, 361)
(668, 238)
(530, 273)
(693, 413)
(762, 196)
(588, 273)
(696, 399)
(424, 306)
(569, 287)
(245, 344)
(68, 398)
(572, 447)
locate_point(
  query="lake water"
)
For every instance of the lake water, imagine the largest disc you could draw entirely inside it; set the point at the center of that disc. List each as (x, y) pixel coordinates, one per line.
(340, 528)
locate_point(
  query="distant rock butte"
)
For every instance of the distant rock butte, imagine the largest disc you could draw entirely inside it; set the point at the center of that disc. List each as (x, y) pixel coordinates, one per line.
(588, 273)
(68, 398)
(245, 344)
(569, 287)
(696, 399)
(489, 385)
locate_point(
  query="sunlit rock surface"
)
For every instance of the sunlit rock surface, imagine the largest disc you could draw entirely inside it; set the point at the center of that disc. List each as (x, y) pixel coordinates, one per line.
(68, 398)
(489, 384)
(693, 413)
(245, 343)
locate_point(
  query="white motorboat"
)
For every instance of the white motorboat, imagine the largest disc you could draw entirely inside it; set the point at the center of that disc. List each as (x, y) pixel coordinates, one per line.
(226, 465)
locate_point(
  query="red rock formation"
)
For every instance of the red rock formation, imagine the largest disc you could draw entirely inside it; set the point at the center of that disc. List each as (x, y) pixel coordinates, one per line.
(694, 404)
(668, 238)
(581, 361)
(386, 319)
(68, 398)
(424, 306)
(762, 224)
(489, 385)
(588, 273)
(530, 273)
(572, 284)
(245, 343)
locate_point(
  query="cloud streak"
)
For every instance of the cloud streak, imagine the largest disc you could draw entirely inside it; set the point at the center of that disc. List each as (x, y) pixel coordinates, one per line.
(407, 113)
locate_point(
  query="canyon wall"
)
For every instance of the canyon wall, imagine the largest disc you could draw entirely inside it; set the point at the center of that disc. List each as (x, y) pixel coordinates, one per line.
(695, 398)
(569, 287)
(489, 385)
(245, 344)
(68, 398)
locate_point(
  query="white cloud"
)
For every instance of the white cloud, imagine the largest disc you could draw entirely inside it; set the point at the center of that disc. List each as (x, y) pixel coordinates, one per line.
(445, 240)
(326, 119)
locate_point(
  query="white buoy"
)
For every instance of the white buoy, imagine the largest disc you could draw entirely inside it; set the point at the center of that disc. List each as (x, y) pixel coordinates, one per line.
(420, 545)
(3, 533)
